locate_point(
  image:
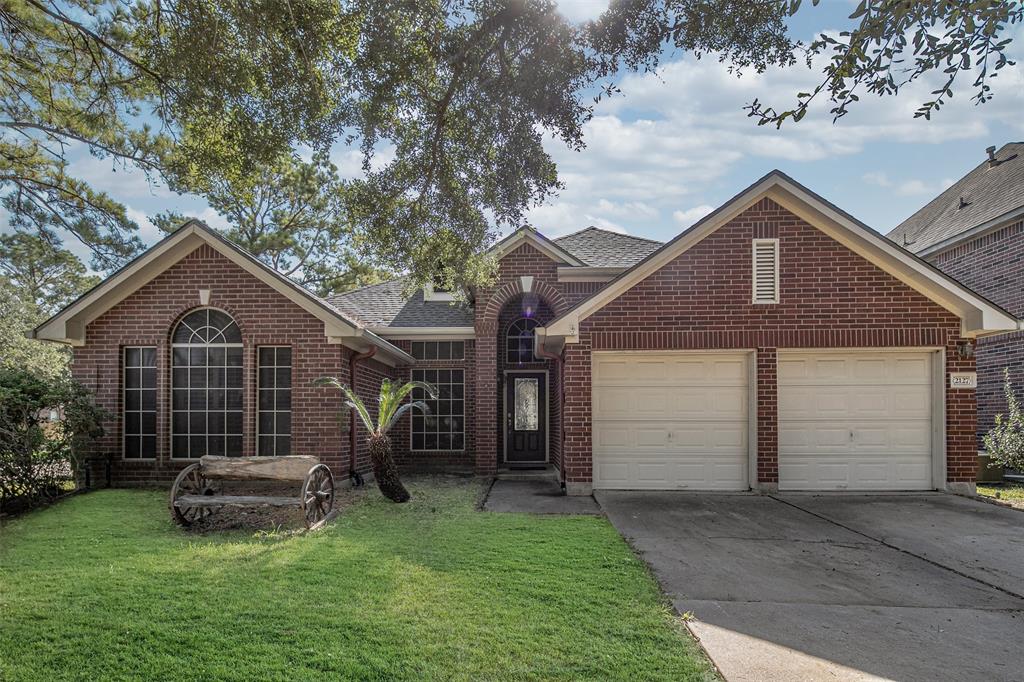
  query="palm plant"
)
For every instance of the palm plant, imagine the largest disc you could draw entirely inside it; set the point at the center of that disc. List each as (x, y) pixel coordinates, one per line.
(390, 409)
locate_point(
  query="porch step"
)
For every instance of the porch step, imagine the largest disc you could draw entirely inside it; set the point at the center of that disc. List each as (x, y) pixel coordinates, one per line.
(544, 474)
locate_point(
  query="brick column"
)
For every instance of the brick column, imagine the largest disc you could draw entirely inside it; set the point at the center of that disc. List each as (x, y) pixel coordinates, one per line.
(767, 420)
(961, 423)
(578, 458)
(486, 398)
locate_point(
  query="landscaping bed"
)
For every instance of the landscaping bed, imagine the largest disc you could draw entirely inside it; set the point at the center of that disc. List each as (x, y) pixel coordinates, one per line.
(104, 586)
(1008, 493)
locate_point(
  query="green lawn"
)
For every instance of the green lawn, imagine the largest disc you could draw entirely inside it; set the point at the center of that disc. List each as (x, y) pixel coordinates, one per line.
(1013, 493)
(103, 586)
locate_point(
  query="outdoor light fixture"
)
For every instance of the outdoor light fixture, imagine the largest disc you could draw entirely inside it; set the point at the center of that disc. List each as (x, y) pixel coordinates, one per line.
(965, 349)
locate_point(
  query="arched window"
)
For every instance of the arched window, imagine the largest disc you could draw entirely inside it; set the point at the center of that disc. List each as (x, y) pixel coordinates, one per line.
(519, 340)
(206, 386)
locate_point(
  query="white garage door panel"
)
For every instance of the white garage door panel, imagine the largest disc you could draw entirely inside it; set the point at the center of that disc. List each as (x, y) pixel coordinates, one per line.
(668, 421)
(855, 421)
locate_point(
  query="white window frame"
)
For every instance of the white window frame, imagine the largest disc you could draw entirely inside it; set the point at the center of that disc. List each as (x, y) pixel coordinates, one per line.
(774, 243)
(461, 357)
(171, 386)
(274, 411)
(124, 410)
(412, 375)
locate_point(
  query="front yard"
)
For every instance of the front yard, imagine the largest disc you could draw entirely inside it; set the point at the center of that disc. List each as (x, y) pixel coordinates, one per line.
(1010, 493)
(103, 586)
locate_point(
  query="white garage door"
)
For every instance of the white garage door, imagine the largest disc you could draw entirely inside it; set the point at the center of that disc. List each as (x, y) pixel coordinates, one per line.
(665, 421)
(855, 421)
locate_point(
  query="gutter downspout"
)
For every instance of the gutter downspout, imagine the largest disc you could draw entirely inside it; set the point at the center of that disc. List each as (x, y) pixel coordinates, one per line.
(540, 351)
(353, 475)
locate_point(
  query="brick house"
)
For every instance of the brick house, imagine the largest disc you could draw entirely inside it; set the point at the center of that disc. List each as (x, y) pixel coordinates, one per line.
(777, 343)
(974, 231)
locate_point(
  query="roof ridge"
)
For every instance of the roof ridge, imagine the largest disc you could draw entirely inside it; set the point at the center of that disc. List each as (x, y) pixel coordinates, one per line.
(367, 286)
(944, 199)
(601, 229)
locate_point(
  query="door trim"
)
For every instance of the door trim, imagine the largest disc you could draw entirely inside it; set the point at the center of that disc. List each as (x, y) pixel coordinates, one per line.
(504, 414)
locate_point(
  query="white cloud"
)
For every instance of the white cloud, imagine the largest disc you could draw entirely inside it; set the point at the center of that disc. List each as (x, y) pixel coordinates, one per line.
(691, 215)
(148, 232)
(906, 188)
(349, 160)
(878, 178)
(632, 209)
(679, 136)
(581, 10)
(123, 182)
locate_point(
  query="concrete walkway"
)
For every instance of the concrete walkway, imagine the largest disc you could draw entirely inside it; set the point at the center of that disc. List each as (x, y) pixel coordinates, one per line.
(830, 587)
(537, 496)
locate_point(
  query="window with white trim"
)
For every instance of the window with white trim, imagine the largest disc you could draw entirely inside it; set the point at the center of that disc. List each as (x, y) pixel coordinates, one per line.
(766, 270)
(439, 350)
(443, 429)
(139, 403)
(274, 405)
(519, 340)
(206, 386)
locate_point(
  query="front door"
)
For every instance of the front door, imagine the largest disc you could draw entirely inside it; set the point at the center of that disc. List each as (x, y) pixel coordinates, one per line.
(526, 418)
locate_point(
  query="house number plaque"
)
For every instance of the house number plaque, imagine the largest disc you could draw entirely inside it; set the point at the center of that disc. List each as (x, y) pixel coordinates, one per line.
(963, 380)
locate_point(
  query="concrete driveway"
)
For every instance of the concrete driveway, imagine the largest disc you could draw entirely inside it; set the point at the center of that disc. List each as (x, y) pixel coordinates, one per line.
(838, 587)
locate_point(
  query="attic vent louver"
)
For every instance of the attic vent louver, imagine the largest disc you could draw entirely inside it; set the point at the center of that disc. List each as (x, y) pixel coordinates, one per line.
(766, 270)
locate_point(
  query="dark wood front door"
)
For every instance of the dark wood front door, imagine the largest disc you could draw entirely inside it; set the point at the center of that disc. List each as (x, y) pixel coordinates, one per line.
(526, 418)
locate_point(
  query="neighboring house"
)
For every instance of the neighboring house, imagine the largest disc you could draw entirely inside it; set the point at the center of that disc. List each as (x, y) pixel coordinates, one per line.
(777, 343)
(974, 231)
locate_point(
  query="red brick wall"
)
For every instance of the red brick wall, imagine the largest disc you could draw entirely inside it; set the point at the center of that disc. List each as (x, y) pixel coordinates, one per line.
(514, 309)
(993, 266)
(264, 317)
(488, 308)
(830, 297)
(767, 415)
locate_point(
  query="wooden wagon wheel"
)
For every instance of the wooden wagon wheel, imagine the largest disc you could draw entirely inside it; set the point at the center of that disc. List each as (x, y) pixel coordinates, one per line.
(317, 494)
(190, 482)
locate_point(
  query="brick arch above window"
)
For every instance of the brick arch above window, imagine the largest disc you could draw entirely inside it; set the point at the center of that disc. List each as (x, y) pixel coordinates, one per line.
(171, 322)
(511, 290)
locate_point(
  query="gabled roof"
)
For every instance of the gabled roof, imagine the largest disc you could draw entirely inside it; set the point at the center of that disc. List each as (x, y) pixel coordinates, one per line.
(530, 235)
(68, 325)
(607, 249)
(385, 305)
(979, 316)
(993, 195)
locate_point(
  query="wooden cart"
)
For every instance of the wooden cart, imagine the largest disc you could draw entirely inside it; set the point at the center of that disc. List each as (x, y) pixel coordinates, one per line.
(195, 495)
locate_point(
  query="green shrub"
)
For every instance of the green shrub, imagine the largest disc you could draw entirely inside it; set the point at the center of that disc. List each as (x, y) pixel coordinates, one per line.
(44, 423)
(1005, 442)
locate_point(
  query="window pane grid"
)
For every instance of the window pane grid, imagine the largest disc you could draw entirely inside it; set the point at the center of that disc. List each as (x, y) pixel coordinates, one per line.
(206, 387)
(439, 350)
(444, 428)
(519, 341)
(274, 383)
(139, 386)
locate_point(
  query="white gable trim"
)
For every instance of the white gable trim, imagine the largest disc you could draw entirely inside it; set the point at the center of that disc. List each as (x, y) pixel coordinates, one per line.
(68, 326)
(979, 317)
(425, 333)
(528, 235)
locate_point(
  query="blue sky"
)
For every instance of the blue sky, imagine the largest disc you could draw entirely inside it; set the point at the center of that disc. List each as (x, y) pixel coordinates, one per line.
(677, 144)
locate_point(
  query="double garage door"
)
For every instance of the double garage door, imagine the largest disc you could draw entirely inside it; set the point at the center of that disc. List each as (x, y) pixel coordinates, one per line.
(846, 421)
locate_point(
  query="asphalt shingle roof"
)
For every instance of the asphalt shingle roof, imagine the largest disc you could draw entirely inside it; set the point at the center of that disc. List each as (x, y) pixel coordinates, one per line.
(386, 305)
(990, 192)
(602, 248)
